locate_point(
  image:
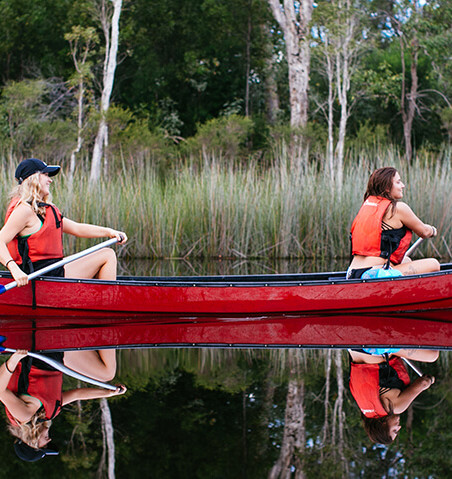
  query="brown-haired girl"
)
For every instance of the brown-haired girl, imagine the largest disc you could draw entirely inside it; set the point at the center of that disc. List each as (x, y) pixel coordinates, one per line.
(381, 232)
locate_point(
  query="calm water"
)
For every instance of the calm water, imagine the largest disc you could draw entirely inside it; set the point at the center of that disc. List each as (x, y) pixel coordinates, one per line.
(241, 413)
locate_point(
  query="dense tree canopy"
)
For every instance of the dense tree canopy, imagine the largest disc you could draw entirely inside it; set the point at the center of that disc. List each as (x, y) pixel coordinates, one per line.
(184, 62)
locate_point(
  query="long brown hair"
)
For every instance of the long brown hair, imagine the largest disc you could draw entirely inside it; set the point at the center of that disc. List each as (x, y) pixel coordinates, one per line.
(380, 184)
(377, 428)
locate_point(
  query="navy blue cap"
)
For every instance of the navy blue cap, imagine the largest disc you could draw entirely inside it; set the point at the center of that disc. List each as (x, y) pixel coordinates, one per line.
(31, 166)
(30, 454)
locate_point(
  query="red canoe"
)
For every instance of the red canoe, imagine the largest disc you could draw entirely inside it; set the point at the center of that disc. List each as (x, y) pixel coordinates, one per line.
(63, 333)
(319, 293)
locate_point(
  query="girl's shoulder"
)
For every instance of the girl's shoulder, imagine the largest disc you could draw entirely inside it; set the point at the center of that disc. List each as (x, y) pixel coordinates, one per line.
(402, 208)
(389, 397)
(22, 208)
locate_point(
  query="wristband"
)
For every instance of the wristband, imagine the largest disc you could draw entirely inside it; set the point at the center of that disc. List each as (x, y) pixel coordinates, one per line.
(7, 368)
(7, 263)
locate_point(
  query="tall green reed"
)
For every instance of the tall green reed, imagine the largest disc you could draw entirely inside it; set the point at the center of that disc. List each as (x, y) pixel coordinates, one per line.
(223, 210)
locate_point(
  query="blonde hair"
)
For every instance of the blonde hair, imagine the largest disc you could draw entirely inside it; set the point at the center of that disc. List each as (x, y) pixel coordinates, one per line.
(30, 432)
(29, 191)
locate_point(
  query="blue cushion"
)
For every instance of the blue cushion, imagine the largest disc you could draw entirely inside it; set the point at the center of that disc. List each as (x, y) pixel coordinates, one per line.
(381, 273)
(378, 351)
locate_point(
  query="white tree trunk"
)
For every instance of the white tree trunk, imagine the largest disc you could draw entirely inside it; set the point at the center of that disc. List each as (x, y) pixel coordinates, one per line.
(295, 26)
(107, 431)
(342, 44)
(271, 87)
(345, 53)
(76, 150)
(80, 41)
(409, 111)
(111, 32)
(339, 412)
(326, 403)
(331, 96)
(294, 438)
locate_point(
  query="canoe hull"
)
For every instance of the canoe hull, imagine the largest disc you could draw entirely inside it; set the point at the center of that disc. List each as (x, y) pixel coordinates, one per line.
(343, 331)
(230, 295)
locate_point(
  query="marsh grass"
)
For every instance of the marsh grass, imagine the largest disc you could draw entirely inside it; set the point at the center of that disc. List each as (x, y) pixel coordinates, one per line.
(220, 210)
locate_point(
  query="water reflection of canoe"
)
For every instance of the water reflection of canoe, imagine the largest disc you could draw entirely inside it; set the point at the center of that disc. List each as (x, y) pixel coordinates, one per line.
(257, 294)
(229, 331)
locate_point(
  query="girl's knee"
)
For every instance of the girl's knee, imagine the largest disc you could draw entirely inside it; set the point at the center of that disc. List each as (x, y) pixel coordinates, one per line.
(432, 356)
(109, 254)
(106, 375)
(435, 264)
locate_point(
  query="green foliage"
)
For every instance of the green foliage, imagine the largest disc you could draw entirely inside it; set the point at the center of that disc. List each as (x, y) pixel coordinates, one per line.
(131, 139)
(82, 42)
(29, 123)
(183, 64)
(369, 135)
(195, 58)
(21, 105)
(446, 119)
(221, 137)
(178, 429)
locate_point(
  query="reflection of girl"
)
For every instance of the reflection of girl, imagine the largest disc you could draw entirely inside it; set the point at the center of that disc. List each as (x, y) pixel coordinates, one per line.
(381, 387)
(32, 235)
(32, 394)
(381, 231)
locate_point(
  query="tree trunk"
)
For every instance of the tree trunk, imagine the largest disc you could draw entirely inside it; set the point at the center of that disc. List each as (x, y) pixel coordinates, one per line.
(294, 436)
(326, 402)
(408, 117)
(80, 41)
(107, 432)
(76, 150)
(338, 438)
(294, 21)
(341, 41)
(271, 87)
(408, 111)
(248, 60)
(345, 52)
(331, 96)
(111, 32)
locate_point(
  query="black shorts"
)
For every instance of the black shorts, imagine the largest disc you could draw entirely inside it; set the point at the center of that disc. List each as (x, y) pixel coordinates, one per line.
(56, 273)
(357, 273)
(57, 356)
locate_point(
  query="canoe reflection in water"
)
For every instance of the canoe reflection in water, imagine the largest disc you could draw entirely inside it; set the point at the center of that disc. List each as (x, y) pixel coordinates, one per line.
(32, 394)
(381, 386)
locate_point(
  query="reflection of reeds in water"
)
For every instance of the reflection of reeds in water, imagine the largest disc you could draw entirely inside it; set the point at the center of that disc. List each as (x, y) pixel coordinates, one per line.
(248, 211)
(205, 360)
(218, 362)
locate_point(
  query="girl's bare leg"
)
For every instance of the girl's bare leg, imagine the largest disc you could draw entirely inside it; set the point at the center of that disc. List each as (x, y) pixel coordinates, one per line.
(419, 266)
(100, 365)
(424, 355)
(101, 265)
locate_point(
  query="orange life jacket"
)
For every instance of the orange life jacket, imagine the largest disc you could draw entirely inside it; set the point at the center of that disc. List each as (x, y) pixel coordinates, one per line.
(45, 244)
(366, 232)
(47, 386)
(365, 385)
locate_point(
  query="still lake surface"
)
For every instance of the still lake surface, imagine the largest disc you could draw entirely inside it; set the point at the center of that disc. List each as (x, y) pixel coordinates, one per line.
(240, 413)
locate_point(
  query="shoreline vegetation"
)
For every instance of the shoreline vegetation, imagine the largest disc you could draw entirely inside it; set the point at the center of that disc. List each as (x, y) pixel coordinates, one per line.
(213, 209)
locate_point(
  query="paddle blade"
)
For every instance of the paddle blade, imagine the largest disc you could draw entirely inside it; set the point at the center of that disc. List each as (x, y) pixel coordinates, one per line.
(2, 340)
(2, 289)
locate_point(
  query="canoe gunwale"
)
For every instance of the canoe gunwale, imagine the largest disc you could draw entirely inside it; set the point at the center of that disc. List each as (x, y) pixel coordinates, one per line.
(273, 280)
(303, 293)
